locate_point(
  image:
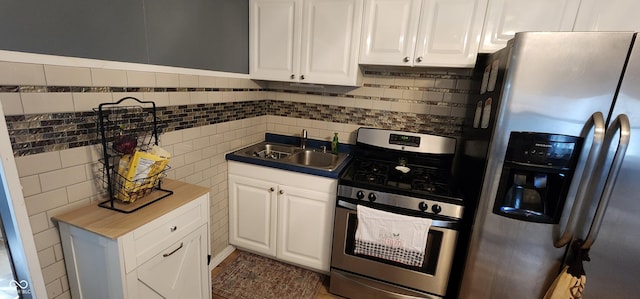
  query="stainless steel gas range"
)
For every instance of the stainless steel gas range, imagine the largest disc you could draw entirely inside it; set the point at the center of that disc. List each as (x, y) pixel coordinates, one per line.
(400, 173)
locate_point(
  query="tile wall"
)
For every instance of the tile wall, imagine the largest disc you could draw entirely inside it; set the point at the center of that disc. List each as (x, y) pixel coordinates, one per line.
(49, 110)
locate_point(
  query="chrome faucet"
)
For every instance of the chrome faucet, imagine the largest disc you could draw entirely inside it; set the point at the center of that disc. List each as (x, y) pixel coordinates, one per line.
(303, 139)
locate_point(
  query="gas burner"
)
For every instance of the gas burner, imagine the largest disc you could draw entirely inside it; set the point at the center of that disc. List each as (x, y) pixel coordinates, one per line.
(372, 167)
(425, 186)
(371, 178)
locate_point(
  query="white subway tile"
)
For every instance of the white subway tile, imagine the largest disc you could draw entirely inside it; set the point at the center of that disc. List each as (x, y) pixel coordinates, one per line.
(445, 83)
(188, 80)
(83, 190)
(45, 201)
(39, 222)
(106, 77)
(167, 80)
(440, 110)
(179, 98)
(21, 73)
(191, 133)
(67, 75)
(11, 103)
(382, 105)
(46, 257)
(170, 138)
(47, 102)
(63, 177)
(141, 79)
(207, 81)
(80, 155)
(54, 271)
(35, 164)
(30, 185)
(87, 101)
(161, 99)
(199, 97)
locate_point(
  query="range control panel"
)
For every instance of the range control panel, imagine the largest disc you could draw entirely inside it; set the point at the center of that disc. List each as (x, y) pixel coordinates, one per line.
(404, 140)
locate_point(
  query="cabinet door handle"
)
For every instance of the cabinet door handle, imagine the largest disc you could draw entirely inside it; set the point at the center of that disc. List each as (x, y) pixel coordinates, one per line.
(419, 59)
(281, 192)
(292, 76)
(271, 189)
(405, 59)
(174, 251)
(302, 77)
(173, 228)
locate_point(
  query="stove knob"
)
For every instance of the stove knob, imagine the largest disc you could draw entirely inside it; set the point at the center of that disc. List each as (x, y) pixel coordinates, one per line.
(372, 197)
(436, 209)
(360, 195)
(423, 206)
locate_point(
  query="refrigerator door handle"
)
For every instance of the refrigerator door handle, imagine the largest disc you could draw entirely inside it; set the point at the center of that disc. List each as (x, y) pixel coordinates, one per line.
(595, 123)
(621, 125)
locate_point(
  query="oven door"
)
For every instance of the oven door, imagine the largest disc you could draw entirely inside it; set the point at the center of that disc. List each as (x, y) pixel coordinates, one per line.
(432, 277)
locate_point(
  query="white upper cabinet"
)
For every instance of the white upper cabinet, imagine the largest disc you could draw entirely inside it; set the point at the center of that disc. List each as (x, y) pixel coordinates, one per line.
(506, 17)
(274, 38)
(305, 41)
(610, 15)
(422, 32)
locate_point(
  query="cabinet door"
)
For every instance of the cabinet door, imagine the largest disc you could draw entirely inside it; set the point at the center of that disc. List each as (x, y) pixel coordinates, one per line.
(449, 32)
(274, 39)
(389, 31)
(305, 225)
(252, 214)
(506, 17)
(330, 41)
(180, 271)
(611, 15)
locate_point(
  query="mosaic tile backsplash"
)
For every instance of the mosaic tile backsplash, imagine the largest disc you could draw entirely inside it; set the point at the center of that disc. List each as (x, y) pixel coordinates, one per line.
(38, 133)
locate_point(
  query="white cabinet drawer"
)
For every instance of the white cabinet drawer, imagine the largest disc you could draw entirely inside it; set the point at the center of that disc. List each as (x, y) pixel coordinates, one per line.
(148, 240)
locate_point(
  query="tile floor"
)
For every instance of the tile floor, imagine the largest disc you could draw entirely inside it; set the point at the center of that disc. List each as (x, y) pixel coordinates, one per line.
(323, 293)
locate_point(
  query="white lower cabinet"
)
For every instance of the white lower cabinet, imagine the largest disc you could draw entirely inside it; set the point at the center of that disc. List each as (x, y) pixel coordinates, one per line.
(286, 215)
(176, 272)
(164, 258)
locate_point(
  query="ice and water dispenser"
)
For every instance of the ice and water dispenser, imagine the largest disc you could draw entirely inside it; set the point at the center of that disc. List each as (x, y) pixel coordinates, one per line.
(536, 175)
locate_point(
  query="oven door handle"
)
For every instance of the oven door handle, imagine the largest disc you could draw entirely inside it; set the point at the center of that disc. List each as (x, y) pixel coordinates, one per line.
(435, 223)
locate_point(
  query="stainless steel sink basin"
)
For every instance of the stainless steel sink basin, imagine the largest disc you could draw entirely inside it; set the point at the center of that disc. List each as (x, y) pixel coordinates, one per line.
(316, 159)
(271, 151)
(293, 155)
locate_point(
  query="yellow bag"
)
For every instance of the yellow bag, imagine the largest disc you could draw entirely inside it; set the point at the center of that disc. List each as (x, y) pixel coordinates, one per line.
(571, 281)
(141, 172)
(566, 286)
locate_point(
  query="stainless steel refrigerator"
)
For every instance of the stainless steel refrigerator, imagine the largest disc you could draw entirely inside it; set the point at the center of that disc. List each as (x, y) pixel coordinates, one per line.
(555, 142)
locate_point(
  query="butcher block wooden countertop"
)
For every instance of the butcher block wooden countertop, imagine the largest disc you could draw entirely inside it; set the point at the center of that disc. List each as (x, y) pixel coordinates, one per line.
(113, 224)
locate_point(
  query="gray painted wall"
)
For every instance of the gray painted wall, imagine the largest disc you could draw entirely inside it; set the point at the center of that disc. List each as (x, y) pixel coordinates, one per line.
(200, 34)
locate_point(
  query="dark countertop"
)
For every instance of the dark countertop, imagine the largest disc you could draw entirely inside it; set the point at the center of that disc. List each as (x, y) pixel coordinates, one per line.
(311, 143)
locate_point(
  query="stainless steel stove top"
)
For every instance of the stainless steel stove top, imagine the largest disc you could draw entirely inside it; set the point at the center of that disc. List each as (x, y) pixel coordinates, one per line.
(402, 170)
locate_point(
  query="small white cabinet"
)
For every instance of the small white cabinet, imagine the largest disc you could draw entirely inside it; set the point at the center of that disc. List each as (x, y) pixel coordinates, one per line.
(282, 214)
(506, 17)
(422, 32)
(611, 15)
(160, 251)
(305, 41)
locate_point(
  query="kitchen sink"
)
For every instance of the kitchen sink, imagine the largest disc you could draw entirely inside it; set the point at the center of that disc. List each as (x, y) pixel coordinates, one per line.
(293, 155)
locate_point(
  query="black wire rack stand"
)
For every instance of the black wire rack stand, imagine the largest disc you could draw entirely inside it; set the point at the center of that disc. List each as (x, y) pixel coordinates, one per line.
(136, 122)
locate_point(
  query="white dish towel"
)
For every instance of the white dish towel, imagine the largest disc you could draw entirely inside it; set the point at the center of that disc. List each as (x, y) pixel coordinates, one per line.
(390, 236)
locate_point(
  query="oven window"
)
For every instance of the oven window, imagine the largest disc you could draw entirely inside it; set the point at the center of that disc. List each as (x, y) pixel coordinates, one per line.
(432, 250)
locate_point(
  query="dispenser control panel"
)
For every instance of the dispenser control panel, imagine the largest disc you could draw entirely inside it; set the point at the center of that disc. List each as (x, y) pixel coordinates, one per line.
(542, 149)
